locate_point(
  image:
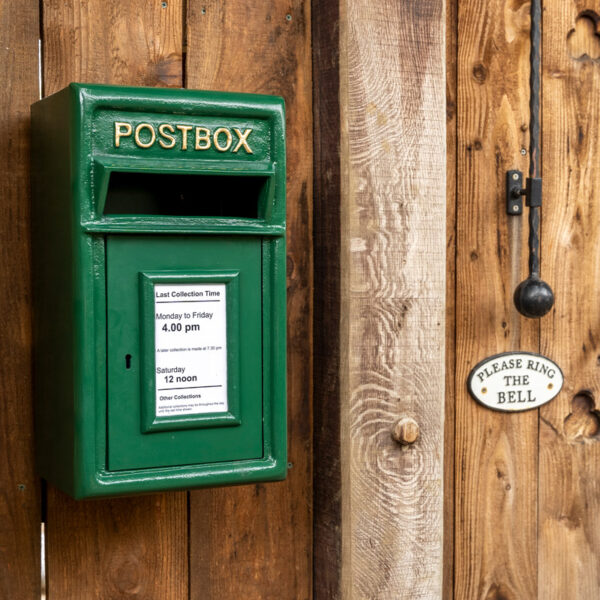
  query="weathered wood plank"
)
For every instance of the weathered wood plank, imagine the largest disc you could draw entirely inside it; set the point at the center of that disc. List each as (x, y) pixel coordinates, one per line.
(496, 457)
(327, 236)
(135, 547)
(126, 43)
(569, 494)
(120, 548)
(392, 93)
(19, 489)
(449, 416)
(263, 534)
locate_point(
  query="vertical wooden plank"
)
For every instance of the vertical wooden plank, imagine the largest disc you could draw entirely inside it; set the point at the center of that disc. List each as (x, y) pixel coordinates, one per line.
(121, 548)
(262, 534)
(449, 415)
(392, 95)
(132, 547)
(496, 454)
(327, 558)
(569, 493)
(19, 489)
(124, 43)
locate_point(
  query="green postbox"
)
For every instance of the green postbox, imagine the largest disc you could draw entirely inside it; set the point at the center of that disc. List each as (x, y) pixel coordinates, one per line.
(159, 289)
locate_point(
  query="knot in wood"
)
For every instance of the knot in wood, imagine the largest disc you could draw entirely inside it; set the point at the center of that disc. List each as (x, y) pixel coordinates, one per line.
(405, 431)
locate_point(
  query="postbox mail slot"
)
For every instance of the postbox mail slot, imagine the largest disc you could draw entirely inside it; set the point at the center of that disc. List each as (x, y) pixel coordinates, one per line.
(186, 195)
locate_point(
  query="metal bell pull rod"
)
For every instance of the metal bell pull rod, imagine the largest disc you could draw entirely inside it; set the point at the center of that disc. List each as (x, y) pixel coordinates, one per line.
(533, 297)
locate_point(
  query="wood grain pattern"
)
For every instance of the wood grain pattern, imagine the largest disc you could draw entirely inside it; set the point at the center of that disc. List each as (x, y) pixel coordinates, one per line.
(327, 236)
(256, 542)
(495, 454)
(392, 96)
(19, 489)
(569, 493)
(119, 548)
(125, 548)
(451, 211)
(126, 43)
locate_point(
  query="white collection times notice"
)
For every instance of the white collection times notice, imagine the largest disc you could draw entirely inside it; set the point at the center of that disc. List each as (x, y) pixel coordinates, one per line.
(190, 348)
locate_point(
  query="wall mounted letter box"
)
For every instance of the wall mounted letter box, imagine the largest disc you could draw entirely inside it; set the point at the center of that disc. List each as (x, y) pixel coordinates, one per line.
(159, 289)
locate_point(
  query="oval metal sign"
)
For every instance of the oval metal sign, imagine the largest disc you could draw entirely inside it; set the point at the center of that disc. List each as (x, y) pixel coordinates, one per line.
(515, 381)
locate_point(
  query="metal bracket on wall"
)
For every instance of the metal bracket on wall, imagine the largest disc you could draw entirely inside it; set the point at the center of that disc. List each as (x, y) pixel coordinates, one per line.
(514, 192)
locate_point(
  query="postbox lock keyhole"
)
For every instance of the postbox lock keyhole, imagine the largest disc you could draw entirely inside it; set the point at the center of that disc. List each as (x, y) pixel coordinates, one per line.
(128, 361)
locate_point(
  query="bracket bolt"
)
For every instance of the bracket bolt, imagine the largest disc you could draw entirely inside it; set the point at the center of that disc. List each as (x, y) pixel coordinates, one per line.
(405, 431)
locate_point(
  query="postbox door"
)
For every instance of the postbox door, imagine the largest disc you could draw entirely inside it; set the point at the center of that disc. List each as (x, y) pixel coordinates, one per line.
(184, 318)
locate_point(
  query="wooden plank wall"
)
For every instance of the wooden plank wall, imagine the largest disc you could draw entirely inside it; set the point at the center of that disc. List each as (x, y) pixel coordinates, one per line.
(521, 512)
(495, 454)
(451, 211)
(253, 541)
(526, 485)
(19, 489)
(263, 548)
(392, 294)
(569, 454)
(327, 550)
(128, 547)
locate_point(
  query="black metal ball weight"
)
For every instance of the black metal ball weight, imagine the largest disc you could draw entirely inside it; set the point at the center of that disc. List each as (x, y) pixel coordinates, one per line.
(533, 298)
